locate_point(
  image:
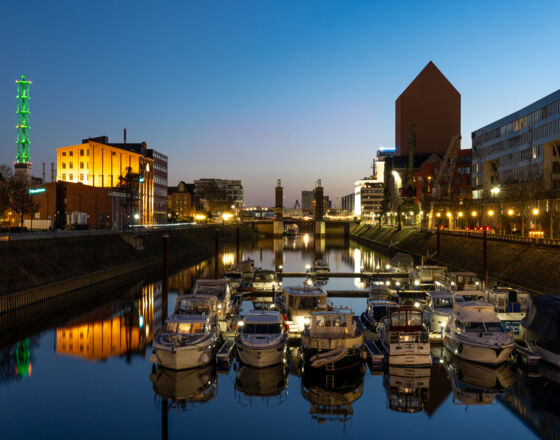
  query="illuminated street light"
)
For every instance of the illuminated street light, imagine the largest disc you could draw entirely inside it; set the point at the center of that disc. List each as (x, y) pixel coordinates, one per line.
(474, 213)
(495, 190)
(448, 214)
(535, 211)
(510, 212)
(438, 215)
(136, 216)
(460, 214)
(490, 213)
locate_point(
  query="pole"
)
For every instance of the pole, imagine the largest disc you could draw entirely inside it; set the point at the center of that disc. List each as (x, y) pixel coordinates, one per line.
(164, 275)
(438, 245)
(237, 244)
(485, 256)
(216, 253)
(164, 419)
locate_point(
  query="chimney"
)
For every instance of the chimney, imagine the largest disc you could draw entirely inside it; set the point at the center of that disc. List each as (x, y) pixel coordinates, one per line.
(124, 135)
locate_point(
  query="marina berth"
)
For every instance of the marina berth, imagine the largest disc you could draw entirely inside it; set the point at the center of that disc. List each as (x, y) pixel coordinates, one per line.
(321, 266)
(332, 340)
(541, 328)
(297, 304)
(221, 289)
(475, 333)
(261, 340)
(404, 337)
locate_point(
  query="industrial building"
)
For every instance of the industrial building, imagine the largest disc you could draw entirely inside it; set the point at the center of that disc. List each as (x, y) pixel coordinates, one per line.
(220, 194)
(181, 200)
(521, 148)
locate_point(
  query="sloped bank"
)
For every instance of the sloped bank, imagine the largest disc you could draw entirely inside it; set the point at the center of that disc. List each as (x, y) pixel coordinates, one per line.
(36, 270)
(536, 268)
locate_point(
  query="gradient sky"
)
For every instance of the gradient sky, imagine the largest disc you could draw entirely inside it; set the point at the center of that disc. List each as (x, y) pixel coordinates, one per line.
(260, 90)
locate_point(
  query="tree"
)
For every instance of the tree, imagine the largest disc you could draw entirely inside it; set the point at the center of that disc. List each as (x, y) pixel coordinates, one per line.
(6, 176)
(21, 202)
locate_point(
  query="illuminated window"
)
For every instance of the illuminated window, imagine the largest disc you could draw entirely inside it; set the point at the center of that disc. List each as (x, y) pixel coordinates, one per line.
(82, 165)
(63, 165)
(81, 177)
(64, 177)
(71, 176)
(71, 165)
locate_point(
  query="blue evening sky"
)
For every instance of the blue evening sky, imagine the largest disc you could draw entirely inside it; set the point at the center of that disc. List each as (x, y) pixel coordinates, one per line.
(260, 90)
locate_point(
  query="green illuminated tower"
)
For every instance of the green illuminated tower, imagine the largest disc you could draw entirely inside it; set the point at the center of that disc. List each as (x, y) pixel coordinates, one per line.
(22, 162)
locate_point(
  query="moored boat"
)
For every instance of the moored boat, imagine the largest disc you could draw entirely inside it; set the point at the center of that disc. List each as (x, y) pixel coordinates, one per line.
(377, 310)
(438, 310)
(511, 306)
(297, 304)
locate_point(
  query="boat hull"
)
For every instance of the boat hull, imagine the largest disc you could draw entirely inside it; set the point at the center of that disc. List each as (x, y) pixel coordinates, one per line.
(351, 359)
(182, 358)
(477, 353)
(261, 357)
(546, 355)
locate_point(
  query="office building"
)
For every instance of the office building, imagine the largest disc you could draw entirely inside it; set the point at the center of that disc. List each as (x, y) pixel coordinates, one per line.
(307, 202)
(220, 194)
(521, 148)
(348, 203)
(160, 185)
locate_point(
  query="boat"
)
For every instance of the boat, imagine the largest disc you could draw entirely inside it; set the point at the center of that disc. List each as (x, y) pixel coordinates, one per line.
(269, 383)
(407, 388)
(265, 281)
(462, 296)
(425, 277)
(511, 306)
(541, 328)
(186, 389)
(261, 340)
(186, 341)
(321, 266)
(332, 340)
(402, 263)
(418, 299)
(438, 310)
(297, 304)
(378, 289)
(291, 229)
(404, 337)
(476, 384)
(221, 289)
(475, 333)
(331, 395)
(377, 310)
(463, 281)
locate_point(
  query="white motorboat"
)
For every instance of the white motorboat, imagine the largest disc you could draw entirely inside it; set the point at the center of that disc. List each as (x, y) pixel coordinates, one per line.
(405, 338)
(438, 310)
(425, 277)
(260, 340)
(541, 328)
(476, 334)
(377, 310)
(332, 340)
(297, 304)
(186, 341)
(221, 289)
(462, 296)
(511, 306)
(265, 281)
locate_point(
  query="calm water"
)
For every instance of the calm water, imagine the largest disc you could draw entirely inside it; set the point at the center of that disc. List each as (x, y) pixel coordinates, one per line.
(85, 374)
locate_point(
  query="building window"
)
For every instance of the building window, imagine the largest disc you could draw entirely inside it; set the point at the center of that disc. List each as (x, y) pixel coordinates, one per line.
(71, 165)
(63, 165)
(81, 177)
(71, 153)
(64, 153)
(87, 152)
(64, 177)
(81, 152)
(71, 176)
(81, 165)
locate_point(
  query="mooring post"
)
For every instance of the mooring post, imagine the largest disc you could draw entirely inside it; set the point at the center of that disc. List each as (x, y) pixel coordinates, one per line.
(485, 257)
(164, 275)
(217, 254)
(438, 245)
(237, 244)
(164, 419)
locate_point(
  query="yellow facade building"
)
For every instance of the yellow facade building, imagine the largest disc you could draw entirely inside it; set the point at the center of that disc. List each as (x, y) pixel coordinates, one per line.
(96, 162)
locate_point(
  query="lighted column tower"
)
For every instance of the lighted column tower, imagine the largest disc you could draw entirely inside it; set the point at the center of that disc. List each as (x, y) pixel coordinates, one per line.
(22, 163)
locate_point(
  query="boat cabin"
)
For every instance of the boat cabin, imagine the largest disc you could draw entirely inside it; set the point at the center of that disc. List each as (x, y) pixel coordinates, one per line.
(182, 327)
(332, 323)
(196, 305)
(321, 266)
(464, 281)
(462, 296)
(440, 300)
(508, 300)
(416, 298)
(476, 317)
(263, 322)
(378, 309)
(406, 319)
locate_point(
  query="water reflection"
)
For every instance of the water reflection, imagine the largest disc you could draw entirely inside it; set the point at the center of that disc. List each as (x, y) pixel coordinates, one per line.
(184, 390)
(407, 388)
(268, 383)
(331, 394)
(16, 360)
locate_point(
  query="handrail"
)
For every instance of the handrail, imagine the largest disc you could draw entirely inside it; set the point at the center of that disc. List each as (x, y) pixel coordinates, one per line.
(498, 237)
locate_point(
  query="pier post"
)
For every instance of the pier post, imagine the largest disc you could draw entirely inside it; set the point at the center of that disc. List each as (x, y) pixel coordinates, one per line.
(237, 244)
(164, 419)
(278, 224)
(278, 245)
(217, 254)
(438, 245)
(164, 275)
(485, 256)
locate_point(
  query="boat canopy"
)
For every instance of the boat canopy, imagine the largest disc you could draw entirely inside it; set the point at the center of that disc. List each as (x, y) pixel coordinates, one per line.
(262, 317)
(543, 317)
(475, 311)
(406, 319)
(195, 304)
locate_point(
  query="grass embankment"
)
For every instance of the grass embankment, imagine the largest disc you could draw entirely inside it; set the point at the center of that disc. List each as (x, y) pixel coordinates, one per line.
(29, 263)
(525, 265)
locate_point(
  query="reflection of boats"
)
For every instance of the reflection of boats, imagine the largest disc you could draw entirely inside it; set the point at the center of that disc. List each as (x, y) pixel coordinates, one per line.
(407, 388)
(475, 333)
(297, 303)
(404, 337)
(511, 307)
(186, 387)
(331, 394)
(332, 340)
(541, 328)
(190, 336)
(269, 382)
(261, 340)
(265, 281)
(476, 384)
(438, 310)
(376, 311)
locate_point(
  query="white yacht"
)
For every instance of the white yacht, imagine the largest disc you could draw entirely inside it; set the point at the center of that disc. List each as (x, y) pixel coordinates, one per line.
(332, 340)
(438, 310)
(541, 328)
(265, 281)
(425, 277)
(297, 304)
(511, 306)
(377, 310)
(476, 334)
(260, 340)
(405, 338)
(221, 289)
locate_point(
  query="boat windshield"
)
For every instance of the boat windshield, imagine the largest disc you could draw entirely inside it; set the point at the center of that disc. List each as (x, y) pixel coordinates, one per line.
(264, 277)
(262, 329)
(189, 307)
(406, 318)
(474, 327)
(443, 303)
(494, 327)
(190, 328)
(330, 321)
(307, 302)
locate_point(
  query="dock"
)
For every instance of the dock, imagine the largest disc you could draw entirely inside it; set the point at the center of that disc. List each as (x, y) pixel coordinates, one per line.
(310, 274)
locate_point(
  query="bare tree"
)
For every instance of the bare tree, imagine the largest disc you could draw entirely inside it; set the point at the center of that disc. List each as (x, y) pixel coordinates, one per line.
(21, 202)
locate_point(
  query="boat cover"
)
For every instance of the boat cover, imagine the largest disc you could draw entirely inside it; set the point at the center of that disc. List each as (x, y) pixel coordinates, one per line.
(543, 318)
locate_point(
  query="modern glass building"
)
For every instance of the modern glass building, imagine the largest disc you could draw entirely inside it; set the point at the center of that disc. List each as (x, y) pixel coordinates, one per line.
(521, 148)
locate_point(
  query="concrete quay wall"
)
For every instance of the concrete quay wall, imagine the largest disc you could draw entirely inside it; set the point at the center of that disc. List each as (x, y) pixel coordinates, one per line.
(528, 265)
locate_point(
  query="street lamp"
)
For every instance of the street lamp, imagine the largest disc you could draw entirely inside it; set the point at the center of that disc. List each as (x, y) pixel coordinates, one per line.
(495, 190)
(490, 212)
(535, 211)
(510, 212)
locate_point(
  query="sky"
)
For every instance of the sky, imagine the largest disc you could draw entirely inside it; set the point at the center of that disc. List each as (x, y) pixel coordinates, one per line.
(263, 90)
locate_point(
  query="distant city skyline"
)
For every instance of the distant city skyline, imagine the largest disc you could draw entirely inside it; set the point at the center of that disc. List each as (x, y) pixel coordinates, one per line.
(261, 90)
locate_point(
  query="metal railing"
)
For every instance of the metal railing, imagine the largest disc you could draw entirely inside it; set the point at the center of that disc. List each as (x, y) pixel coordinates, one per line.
(498, 237)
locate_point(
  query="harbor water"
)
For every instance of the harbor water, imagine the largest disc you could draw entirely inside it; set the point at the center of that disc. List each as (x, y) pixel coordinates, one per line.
(83, 371)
